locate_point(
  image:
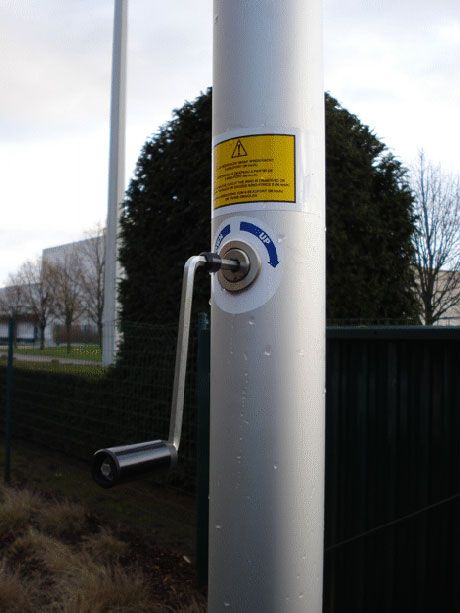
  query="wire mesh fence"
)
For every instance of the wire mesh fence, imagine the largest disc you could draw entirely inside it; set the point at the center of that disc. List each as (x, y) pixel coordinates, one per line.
(358, 322)
(392, 476)
(63, 398)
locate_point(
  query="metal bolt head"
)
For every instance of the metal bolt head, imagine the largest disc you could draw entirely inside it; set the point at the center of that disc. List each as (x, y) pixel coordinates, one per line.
(235, 281)
(236, 275)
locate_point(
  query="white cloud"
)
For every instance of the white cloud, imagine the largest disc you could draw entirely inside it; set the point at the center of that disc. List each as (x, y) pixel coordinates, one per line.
(392, 63)
(53, 188)
(54, 108)
(450, 33)
(56, 72)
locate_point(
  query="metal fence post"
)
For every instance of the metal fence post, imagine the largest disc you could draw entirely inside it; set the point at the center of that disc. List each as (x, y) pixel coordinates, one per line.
(202, 444)
(8, 398)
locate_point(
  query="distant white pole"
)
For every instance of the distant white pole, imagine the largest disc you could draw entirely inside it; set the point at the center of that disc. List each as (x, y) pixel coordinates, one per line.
(268, 331)
(116, 179)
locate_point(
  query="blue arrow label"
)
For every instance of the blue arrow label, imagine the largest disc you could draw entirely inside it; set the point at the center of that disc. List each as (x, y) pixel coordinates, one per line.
(264, 238)
(225, 232)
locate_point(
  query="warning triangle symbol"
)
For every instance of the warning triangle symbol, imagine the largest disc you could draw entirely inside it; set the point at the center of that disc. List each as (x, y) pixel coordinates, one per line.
(239, 151)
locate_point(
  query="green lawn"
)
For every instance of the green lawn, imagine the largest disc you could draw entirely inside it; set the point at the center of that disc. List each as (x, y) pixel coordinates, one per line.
(77, 352)
(86, 371)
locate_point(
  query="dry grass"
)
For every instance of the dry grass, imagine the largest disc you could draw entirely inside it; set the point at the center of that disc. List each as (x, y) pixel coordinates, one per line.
(15, 594)
(55, 555)
(106, 547)
(59, 517)
(16, 509)
(93, 588)
(54, 558)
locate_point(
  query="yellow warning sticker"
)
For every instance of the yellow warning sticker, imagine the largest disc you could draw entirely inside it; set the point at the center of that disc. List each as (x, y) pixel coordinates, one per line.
(254, 168)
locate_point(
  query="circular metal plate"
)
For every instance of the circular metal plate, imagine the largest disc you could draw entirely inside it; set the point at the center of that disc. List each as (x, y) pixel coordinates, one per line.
(244, 253)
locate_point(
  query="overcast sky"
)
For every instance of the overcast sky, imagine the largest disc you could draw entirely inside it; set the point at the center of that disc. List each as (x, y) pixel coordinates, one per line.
(395, 64)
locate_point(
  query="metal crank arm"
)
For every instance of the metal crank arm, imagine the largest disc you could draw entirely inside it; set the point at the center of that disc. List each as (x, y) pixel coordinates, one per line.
(115, 465)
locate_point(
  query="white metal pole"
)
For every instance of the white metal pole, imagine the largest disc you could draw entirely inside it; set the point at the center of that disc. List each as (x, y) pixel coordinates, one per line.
(268, 339)
(116, 179)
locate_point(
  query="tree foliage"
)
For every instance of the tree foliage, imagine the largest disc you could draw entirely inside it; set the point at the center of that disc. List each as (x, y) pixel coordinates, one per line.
(91, 276)
(437, 239)
(12, 302)
(369, 224)
(167, 209)
(12, 298)
(36, 280)
(68, 302)
(166, 216)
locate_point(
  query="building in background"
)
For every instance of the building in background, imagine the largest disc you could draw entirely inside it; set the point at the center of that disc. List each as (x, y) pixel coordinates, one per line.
(448, 293)
(76, 278)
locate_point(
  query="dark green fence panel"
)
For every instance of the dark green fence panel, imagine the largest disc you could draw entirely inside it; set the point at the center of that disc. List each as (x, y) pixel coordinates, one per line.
(393, 449)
